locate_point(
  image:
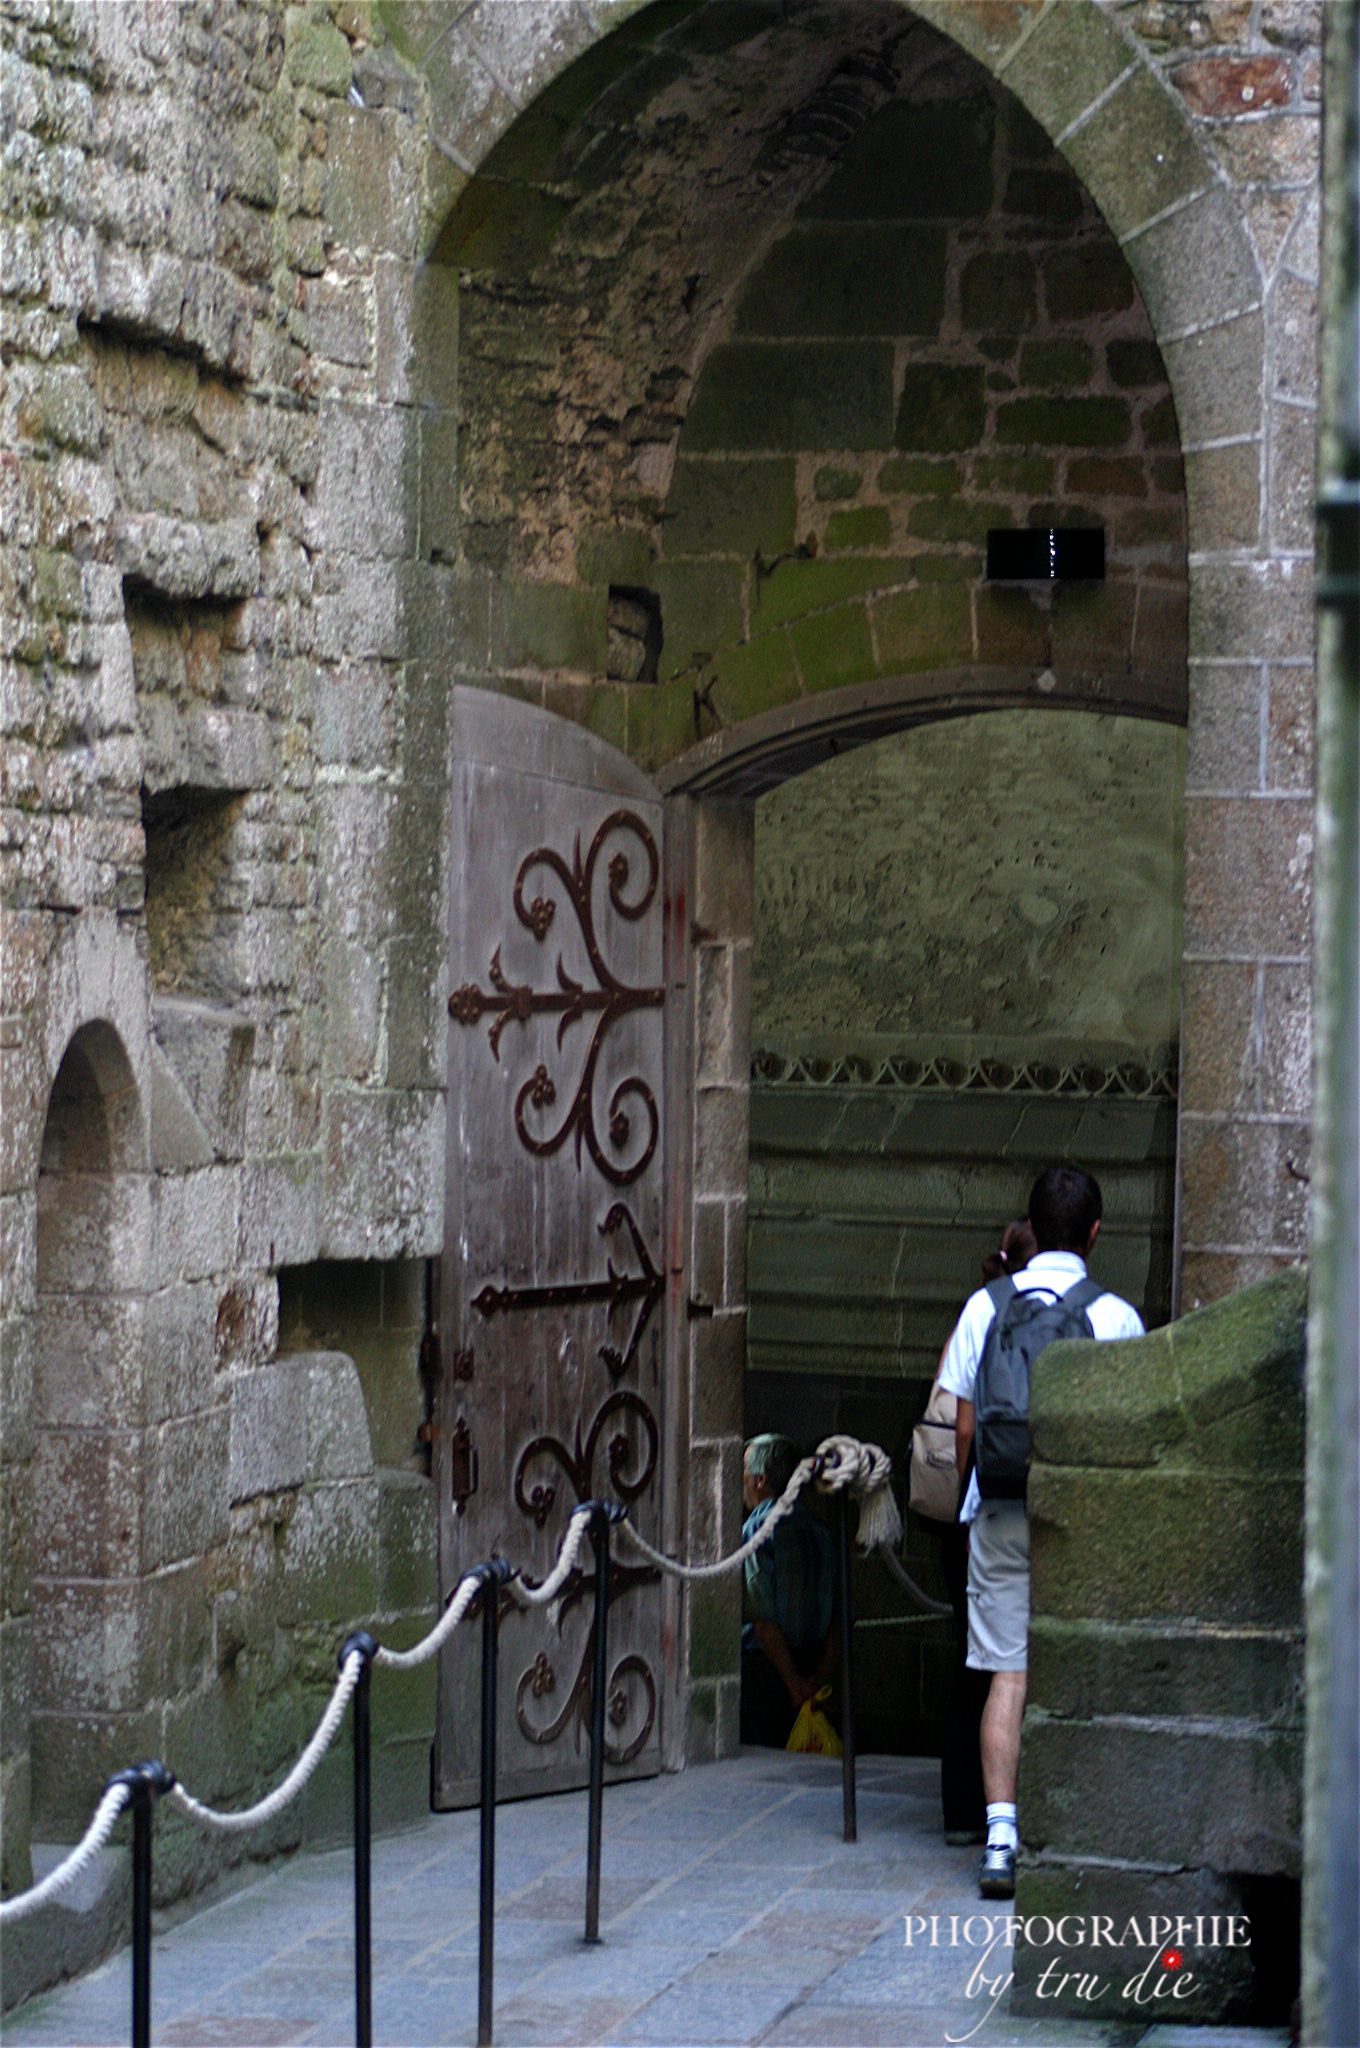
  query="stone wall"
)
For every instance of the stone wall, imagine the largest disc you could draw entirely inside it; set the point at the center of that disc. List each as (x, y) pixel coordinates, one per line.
(254, 519)
(1161, 1762)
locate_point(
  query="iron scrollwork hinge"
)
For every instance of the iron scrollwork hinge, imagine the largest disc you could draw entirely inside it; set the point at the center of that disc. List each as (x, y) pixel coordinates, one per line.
(506, 1001)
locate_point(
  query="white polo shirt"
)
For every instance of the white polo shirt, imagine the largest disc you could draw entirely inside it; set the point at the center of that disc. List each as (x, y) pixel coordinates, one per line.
(1110, 1318)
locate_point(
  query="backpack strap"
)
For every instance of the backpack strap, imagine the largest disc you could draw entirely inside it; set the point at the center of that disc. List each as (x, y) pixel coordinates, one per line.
(1002, 1290)
(1084, 1293)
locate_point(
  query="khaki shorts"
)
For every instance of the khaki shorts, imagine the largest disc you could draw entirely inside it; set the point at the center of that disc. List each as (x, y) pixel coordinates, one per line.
(998, 1587)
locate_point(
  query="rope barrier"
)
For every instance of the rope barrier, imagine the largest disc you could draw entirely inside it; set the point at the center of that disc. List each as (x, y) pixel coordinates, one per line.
(908, 1584)
(840, 1464)
(66, 1872)
(275, 1801)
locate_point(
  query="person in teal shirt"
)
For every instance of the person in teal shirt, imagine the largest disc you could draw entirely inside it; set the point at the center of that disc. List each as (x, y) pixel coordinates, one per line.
(788, 1645)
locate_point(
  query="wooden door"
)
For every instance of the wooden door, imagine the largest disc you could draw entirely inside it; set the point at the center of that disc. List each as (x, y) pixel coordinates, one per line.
(553, 1278)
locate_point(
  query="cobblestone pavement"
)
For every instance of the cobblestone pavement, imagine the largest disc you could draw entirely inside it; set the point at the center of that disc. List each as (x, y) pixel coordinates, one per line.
(731, 1912)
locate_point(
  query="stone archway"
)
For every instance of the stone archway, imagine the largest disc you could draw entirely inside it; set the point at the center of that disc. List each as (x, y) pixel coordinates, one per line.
(88, 1478)
(1225, 272)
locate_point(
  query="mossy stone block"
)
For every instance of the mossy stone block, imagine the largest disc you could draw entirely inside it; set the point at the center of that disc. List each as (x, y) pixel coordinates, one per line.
(868, 526)
(1012, 627)
(913, 162)
(1064, 422)
(832, 484)
(1092, 279)
(959, 567)
(757, 676)
(1134, 363)
(1221, 1796)
(776, 395)
(872, 278)
(956, 518)
(700, 611)
(999, 291)
(730, 508)
(943, 407)
(1027, 473)
(1055, 365)
(797, 588)
(834, 648)
(914, 476)
(1079, 1668)
(319, 56)
(1126, 1545)
(614, 554)
(1160, 1398)
(548, 625)
(661, 721)
(923, 629)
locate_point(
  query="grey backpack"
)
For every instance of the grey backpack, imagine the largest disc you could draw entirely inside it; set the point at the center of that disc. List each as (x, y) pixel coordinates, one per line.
(1025, 1323)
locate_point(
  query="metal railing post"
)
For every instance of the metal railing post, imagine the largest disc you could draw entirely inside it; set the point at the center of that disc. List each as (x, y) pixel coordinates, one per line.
(847, 1620)
(492, 1575)
(602, 1513)
(367, 1648)
(145, 1783)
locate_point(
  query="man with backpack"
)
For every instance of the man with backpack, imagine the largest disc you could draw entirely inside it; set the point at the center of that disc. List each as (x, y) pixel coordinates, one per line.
(1002, 1330)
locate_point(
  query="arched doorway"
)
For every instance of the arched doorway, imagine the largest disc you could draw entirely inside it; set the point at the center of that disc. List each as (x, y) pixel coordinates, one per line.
(966, 966)
(90, 1664)
(767, 319)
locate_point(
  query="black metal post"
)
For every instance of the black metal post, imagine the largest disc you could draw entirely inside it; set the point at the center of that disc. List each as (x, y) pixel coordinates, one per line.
(600, 1517)
(492, 1576)
(363, 1836)
(847, 1619)
(145, 1783)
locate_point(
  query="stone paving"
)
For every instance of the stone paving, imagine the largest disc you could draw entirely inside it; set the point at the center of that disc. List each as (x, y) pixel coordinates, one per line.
(731, 1912)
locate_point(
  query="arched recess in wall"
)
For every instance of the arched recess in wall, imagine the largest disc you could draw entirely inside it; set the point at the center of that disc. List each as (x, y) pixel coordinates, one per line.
(766, 321)
(91, 1668)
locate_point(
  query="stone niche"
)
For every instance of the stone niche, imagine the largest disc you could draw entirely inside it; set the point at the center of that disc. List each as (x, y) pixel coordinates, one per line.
(1161, 1763)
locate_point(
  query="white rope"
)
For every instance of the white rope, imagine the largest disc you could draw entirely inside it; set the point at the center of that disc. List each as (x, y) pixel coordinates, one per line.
(66, 1872)
(840, 1463)
(548, 1589)
(909, 1585)
(406, 1660)
(266, 1808)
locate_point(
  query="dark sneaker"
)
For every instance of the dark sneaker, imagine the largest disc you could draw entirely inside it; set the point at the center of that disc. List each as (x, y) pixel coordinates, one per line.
(996, 1872)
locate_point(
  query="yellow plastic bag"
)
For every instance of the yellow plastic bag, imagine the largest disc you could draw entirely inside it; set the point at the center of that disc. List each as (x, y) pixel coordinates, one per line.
(812, 1731)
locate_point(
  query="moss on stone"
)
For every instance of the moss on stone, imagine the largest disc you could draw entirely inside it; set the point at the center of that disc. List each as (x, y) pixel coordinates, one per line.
(318, 55)
(956, 518)
(755, 677)
(797, 588)
(908, 475)
(923, 629)
(832, 483)
(614, 554)
(868, 526)
(819, 394)
(865, 278)
(700, 611)
(1027, 473)
(548, 625)
(999, 290)
(735, 508)
(834, 648)
(943, 407)
(1055, 364)
(1064, 422)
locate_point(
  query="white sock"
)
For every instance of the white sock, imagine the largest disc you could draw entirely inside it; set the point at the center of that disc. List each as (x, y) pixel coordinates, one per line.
(1001, 1829)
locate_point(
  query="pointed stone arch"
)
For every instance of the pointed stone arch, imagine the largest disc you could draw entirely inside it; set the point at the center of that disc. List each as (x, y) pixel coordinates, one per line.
(87, 1472)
